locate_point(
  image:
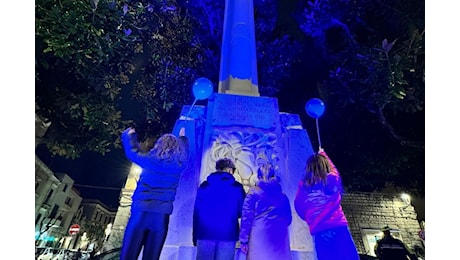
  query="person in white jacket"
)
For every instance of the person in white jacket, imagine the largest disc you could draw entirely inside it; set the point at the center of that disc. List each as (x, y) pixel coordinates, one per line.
(265, 220)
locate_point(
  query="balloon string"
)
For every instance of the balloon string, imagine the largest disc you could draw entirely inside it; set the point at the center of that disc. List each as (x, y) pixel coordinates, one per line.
(190, 110)
(317, 132)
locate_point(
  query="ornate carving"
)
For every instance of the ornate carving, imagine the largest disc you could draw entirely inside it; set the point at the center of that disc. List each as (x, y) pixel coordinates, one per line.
(247, 149)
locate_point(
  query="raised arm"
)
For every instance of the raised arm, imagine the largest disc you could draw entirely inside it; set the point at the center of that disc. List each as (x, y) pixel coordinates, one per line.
(333, 168)
(131, 146)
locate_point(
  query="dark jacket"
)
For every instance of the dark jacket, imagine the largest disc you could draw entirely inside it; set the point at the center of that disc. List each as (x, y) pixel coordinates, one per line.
(218, 206)
(156, 188)
(390, 248)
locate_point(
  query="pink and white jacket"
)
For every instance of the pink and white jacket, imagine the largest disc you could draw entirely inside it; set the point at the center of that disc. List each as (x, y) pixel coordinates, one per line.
(320, 205)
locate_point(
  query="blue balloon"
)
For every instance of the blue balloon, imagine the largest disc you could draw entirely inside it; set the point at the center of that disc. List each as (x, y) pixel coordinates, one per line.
(315, 107)
(202, 88)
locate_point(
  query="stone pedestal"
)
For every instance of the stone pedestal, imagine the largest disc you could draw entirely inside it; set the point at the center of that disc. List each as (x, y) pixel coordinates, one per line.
(250, 130)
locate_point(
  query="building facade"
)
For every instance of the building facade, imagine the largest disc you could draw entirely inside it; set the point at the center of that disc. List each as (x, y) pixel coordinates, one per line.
(368, 213)
(56, 203)
(58, 206)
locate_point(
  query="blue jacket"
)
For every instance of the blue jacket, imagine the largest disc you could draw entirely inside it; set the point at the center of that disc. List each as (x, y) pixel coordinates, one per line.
(157, 184)
(218, 206)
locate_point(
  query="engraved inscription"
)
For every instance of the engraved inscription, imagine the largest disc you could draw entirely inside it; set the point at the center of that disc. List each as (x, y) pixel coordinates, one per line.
(231, 110)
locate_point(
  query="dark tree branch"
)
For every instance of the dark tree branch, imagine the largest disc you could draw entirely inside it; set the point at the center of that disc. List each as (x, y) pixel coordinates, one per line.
(389, 127)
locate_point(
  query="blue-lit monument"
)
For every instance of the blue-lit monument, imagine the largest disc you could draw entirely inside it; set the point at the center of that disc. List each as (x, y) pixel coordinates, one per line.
(237, 123)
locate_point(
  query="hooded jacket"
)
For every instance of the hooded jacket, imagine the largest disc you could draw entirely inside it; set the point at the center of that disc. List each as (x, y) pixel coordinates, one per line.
(218, 206)
(265, 222)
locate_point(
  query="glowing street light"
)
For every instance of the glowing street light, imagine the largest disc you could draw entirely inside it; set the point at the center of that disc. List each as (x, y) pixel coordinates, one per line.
(405, 198)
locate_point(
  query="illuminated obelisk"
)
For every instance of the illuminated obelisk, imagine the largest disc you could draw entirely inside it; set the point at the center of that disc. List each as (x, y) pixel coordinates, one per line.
(238, 63)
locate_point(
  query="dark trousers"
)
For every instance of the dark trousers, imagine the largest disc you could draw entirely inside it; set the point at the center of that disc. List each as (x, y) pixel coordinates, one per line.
(147, 229)
(335, 243)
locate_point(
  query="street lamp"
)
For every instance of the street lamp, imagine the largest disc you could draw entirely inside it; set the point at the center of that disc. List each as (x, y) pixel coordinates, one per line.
(406, 200)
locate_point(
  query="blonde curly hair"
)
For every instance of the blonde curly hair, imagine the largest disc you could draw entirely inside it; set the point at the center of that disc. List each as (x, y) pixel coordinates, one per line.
(169, 148)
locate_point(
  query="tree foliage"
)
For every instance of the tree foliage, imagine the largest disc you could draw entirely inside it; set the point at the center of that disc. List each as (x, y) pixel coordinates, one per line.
(94, 56)
(375, 53)
(374, 87)
(95, 231)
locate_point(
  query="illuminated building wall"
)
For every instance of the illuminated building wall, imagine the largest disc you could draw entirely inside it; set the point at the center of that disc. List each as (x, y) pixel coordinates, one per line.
(367, 213)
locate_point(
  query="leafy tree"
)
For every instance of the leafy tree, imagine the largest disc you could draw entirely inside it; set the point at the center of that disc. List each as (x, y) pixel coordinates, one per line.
(75, 44)
(94, 230)
(90, 53)
(96, 58)
(373, 56)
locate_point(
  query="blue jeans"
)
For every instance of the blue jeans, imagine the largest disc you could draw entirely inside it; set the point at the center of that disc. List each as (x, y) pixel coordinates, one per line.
(215, 250)
(146, 229)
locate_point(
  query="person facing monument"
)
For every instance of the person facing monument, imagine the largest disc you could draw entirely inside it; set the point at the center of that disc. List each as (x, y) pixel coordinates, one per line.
(317, 202)
(217, 208)
(266, 219)
(152, 200)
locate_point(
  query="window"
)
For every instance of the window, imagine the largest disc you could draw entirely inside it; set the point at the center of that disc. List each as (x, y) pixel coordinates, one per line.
(48, 197)
(65, 188)
(54, 212)
(68, 201)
